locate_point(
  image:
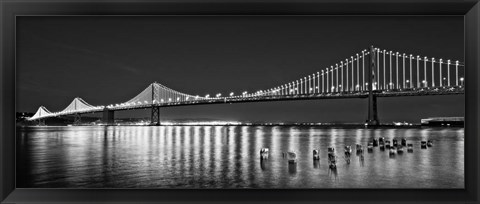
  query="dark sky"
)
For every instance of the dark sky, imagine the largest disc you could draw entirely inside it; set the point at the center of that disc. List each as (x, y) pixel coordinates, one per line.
(109, 59)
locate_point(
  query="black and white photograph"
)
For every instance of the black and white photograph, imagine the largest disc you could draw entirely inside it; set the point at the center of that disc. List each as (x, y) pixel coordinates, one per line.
(240, 102)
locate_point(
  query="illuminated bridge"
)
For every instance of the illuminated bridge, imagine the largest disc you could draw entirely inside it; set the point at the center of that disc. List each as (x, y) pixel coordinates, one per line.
(369, 74)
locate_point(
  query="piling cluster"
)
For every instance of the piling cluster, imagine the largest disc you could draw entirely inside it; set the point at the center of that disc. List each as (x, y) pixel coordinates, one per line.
(393, 147)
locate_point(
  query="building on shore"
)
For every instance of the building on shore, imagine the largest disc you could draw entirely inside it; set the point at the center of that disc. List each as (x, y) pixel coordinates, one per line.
(444, 121)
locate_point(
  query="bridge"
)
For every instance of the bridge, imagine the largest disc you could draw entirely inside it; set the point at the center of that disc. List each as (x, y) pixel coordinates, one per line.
(369, 74)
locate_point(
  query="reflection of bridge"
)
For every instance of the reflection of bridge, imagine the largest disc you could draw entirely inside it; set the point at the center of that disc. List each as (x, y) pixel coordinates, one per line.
(392, 74)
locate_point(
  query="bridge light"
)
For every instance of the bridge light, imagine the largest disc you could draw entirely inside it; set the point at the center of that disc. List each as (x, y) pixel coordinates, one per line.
(207, 96)
(231, 93)
(408, 81)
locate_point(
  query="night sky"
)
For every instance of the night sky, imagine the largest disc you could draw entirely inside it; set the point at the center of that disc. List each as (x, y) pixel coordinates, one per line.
(110, 59)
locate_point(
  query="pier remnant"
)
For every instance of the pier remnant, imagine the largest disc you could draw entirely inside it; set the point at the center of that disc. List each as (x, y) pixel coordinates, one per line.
(316, 155)
(264, 153)
(292, 157)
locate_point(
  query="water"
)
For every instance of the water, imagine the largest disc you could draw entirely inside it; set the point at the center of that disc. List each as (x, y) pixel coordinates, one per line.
(228, 157)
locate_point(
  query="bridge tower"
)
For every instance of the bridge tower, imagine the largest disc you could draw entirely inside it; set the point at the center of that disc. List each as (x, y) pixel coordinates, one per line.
(108, 116)
(77, 119)
(155, 117)
(41, 122)
(372, 119)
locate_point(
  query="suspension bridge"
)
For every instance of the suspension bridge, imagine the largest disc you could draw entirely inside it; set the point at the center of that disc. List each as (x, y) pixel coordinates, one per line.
(369, 74)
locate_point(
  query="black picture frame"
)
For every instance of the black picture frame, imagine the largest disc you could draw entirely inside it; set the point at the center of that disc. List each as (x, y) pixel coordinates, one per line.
(9, 9)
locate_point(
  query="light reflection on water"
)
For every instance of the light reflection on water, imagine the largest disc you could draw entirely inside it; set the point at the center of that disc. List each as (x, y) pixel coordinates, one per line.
(228, 157)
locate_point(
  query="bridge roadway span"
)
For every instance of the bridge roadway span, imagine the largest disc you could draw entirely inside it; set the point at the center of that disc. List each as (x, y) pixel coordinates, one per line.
(231, 100)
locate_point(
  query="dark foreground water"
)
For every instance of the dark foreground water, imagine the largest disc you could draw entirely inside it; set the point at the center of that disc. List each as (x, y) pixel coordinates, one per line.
(228, 157)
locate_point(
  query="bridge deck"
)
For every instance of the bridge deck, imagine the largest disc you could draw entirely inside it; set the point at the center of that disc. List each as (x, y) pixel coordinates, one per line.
(231, 100)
